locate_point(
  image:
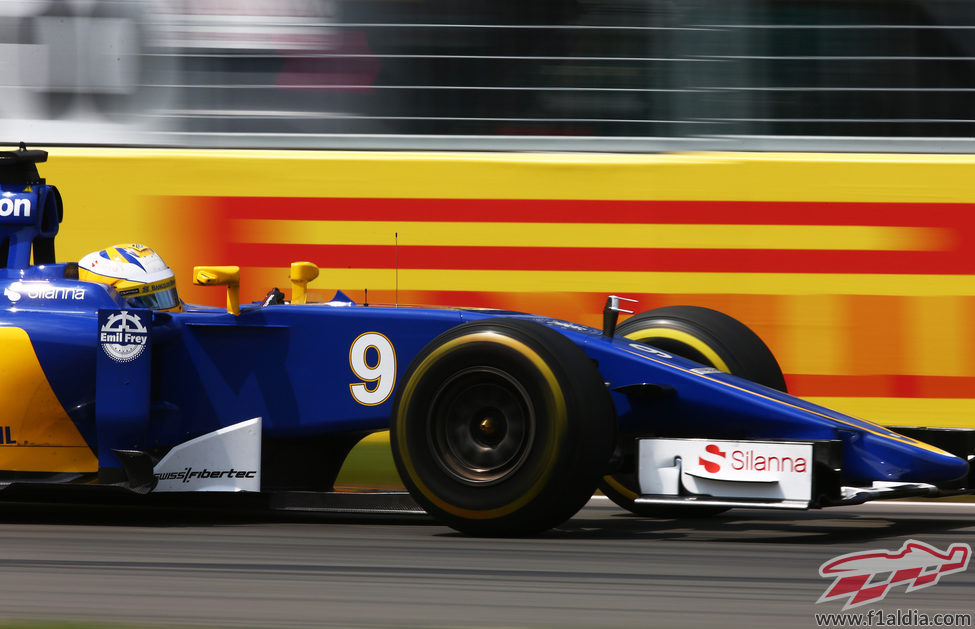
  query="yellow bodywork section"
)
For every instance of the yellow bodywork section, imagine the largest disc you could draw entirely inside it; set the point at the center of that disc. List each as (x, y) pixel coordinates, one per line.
(37, 433)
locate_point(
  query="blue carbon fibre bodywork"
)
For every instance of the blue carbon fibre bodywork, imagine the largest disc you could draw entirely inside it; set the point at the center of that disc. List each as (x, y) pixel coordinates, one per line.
(290, 365)
(715, 405)
(287, 364)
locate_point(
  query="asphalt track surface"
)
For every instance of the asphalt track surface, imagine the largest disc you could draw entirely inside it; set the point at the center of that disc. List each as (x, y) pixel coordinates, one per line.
(602, 569)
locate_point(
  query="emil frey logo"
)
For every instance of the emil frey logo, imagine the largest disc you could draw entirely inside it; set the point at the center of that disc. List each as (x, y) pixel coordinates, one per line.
(866, 576)
(123, 337)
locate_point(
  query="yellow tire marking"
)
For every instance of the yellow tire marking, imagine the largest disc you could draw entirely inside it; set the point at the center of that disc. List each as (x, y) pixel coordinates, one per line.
(683, 337)
(554, 400)
(624, 491)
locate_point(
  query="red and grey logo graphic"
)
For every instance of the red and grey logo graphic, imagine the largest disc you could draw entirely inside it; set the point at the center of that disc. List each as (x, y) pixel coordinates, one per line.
(866, 576)
(712, 465)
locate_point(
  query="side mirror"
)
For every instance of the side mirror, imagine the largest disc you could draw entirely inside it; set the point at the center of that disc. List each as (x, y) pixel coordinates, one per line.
(228, 276)
(301, 274)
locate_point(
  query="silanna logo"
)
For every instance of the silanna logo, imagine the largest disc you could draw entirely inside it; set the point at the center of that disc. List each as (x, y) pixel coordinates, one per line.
(751, 459)
(42, 290)
(712, 465)
(123, 337)
(866, 576)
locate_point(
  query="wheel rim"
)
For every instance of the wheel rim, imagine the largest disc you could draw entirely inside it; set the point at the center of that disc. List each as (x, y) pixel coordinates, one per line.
(482, 426)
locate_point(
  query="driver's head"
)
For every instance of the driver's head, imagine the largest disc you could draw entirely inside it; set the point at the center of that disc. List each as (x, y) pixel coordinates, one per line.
(137, 272)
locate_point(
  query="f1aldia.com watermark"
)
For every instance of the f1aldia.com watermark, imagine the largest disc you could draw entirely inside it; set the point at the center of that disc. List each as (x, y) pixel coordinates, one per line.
(895, 618)
(864, 577)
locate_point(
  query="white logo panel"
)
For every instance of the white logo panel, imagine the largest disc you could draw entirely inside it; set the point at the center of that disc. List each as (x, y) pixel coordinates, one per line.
(728, 469)
(228, 459)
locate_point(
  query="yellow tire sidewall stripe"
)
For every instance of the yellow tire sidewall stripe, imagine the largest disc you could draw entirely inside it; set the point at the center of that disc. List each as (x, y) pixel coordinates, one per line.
(554, 401)
(620, 488)
(680, 336)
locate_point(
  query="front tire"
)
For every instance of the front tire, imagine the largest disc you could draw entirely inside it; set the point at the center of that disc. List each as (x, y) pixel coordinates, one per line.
(502, 427)
(708, 337)
(711, 338)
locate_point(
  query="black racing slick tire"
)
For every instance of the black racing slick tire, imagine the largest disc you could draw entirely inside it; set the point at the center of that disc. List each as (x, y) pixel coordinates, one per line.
(502, 427)
(708, 337)
(711, 338)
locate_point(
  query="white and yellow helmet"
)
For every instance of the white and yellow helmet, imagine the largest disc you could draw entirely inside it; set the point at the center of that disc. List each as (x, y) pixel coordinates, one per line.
(137, 272)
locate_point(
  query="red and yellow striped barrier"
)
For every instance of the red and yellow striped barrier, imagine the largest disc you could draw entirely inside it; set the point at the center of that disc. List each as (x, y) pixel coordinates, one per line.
(857, 270)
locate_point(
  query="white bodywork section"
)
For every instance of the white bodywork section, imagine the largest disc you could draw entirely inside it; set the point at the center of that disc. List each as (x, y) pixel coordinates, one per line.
(228, 459)
(729, 470)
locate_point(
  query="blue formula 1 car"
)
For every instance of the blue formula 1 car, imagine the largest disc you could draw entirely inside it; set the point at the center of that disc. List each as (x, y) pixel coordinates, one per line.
(500, 423)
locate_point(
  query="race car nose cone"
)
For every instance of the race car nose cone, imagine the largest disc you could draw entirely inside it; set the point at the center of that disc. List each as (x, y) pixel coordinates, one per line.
(876, 456)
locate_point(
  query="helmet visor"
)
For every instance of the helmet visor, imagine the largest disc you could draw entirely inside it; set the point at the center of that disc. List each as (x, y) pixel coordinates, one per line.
(158, 296)
(162, 300)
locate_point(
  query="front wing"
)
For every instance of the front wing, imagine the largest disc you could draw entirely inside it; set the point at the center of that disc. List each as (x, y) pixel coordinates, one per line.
(786, 474)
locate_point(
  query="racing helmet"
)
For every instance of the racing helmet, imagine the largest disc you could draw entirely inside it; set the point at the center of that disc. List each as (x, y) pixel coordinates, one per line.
(137, 272)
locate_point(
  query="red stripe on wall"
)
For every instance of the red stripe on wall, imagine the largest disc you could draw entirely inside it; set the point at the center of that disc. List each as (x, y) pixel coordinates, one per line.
(892, 385)
(959, 215)
(607, 259)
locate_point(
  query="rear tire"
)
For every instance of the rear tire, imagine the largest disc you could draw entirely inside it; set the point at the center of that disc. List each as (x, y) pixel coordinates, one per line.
(711, 338)
(502, 427)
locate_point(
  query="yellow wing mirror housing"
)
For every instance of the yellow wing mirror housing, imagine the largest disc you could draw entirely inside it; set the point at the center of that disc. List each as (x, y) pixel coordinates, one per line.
(228, 276)
(301, 274)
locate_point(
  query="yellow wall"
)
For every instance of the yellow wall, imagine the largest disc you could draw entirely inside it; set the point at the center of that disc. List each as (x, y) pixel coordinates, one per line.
(857, 270)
